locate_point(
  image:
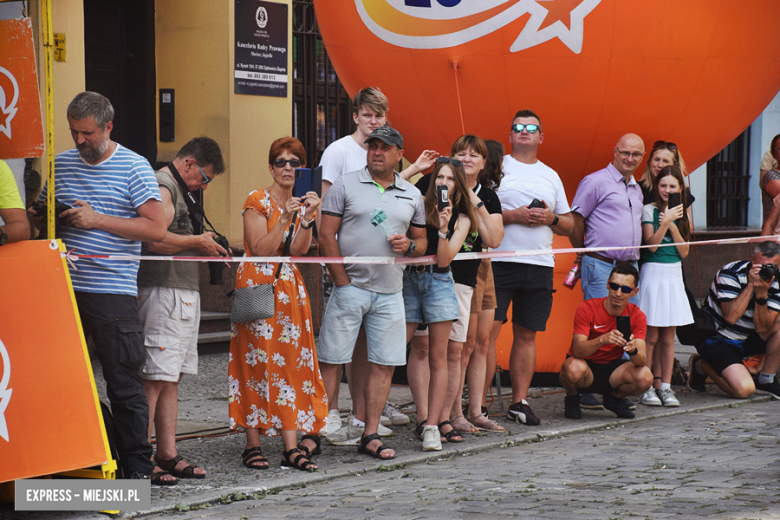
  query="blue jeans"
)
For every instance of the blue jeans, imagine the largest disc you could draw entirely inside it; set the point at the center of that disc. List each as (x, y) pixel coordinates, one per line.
(429, 297)
(595, 275)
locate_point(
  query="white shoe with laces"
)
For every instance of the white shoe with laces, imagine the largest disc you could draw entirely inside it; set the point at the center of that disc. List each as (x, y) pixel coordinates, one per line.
(668, 398)
(396, 417)
(431, 439)
(650, 398)
(334, 422)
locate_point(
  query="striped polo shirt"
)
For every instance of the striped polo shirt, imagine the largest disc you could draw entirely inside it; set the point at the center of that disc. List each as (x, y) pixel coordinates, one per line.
(115, 187)
(730, 281)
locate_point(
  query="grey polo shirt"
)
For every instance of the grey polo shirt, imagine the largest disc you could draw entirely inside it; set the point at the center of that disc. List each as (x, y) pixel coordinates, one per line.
(352, 198)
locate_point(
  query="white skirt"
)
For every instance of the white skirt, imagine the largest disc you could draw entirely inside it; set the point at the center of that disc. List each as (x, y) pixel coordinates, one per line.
(662, 295)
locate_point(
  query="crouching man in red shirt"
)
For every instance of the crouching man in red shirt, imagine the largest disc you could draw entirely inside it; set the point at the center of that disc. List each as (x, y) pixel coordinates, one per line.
(595, 361)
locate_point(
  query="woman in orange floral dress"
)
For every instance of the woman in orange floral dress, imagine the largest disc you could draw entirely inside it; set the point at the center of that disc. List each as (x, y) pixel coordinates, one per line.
(273, 375)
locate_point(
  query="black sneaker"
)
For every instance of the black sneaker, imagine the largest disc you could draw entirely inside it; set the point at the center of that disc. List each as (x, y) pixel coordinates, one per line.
(772, 388)
(631, 405)
(589, 402)
(695, 379)
(485, 412)
(522, 413)
(617, 406)
(571, 405)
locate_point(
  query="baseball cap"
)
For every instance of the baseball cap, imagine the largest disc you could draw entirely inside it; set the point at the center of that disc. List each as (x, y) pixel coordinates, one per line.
(387, 134)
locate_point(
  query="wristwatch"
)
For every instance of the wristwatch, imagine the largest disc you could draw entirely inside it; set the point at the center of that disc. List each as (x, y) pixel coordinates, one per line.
(412, 247)
(307, 224)
(555, 221)
(633, 352)
(444, 236)
(3, 237)
(759, 301)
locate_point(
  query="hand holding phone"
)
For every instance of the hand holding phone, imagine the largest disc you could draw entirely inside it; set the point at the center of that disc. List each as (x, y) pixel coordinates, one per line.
(536, 203)
(623, 324)
(442, 194)
(675, 199)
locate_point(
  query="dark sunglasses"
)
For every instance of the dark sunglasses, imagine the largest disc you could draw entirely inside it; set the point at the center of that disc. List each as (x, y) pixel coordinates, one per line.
(281, 163)
(661, 145)
(445, 160)
(624, 288)
(517, 128)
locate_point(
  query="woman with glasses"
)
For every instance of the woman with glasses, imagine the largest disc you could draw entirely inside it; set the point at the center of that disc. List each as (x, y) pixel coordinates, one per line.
(664, 153)
(770, 178)
(273, 375)
(661, 289)
(430, 297)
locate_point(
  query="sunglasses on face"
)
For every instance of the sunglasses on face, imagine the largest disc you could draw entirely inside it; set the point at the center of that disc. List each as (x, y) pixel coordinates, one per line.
(625, 289)
(450, 160)
(281, 163)
(531, 129)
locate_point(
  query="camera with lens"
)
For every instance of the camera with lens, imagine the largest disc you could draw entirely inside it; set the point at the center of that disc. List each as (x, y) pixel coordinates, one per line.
(216, 269)
(41, 209)
(769, 271)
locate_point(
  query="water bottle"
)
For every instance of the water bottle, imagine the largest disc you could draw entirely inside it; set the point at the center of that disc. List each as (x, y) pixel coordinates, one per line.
(572, 277)
(379, 219)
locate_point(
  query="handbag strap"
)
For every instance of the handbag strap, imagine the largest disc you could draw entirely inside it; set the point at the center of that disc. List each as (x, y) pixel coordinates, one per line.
(287, 243)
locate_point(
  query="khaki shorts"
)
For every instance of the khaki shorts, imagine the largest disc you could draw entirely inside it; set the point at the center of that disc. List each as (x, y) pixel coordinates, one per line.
(170, 318)
(460, 328)
(484, 298)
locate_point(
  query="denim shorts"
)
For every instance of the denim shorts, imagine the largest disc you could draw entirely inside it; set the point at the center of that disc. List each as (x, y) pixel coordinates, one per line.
(429, 297)
(382, 316)
(595, 275)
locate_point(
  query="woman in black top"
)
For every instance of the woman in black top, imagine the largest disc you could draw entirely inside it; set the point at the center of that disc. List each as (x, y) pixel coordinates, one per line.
(664, 153)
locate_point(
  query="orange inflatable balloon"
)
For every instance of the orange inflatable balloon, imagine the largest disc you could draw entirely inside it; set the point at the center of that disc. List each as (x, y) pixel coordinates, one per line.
(695, 72)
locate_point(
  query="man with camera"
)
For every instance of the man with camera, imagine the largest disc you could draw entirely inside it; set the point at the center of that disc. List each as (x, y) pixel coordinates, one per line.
(115, 205)
(604, 330)
(169, 299)
(744, 302)
(16, 227)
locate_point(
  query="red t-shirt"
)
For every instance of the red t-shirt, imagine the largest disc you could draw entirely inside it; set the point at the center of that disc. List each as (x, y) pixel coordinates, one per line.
(593, 320)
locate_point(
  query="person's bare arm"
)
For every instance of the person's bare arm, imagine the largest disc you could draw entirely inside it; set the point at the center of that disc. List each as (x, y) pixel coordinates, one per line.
(577, 235)
(426, 160)
(148, 226)
(490, 225)
(330, 247)
(318, 219)
(771, 222)
(763, 318)
(773, 188)
(415, 234)
(173, 243)
(582, 347)
(447, 249)
(17, 226)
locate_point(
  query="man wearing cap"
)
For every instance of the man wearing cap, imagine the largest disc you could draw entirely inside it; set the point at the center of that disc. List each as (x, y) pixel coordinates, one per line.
(369, 294)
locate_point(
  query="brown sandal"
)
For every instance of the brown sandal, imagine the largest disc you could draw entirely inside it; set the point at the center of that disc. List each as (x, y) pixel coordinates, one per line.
(170, 466)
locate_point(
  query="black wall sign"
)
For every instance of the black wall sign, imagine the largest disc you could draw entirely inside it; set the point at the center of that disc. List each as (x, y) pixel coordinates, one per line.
(261, 48)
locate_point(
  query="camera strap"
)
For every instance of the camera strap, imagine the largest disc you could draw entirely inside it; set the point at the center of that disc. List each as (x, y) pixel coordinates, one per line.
(196, 210)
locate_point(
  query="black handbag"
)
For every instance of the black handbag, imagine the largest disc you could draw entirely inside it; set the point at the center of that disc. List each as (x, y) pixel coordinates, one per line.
(703, 325)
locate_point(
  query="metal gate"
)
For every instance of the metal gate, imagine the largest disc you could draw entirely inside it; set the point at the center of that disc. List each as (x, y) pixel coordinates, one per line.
(728, 185)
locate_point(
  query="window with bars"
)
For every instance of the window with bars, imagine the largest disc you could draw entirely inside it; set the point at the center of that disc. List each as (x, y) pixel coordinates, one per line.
(728, 185)
(322, 110)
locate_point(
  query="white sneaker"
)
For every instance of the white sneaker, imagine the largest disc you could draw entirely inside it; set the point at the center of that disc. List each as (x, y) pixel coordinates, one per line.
(334, 422)
(668, 398)
(383, 431)
(348, 435)
(385, 420)
(396, 417)
(650, 398)
(431, 439)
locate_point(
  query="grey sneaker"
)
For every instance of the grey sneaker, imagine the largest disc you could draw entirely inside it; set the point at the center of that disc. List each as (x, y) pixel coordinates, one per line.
(650, 398)
(334, 422)
(668, 398)
(396, 417)
(348, 435)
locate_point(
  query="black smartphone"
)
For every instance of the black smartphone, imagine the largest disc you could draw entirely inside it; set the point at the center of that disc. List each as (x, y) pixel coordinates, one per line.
(536, 203)
(443, 194)
(304, 182)
(624, 326)
(674, 200)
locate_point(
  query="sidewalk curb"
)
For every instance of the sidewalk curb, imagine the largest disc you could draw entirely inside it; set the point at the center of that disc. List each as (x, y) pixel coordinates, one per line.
(213, 498)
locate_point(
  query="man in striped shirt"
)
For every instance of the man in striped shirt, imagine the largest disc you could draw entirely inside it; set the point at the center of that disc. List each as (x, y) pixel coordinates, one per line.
(744, 301)
(116, 205)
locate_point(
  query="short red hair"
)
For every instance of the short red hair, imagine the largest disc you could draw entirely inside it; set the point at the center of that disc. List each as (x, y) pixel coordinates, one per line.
(289, 144)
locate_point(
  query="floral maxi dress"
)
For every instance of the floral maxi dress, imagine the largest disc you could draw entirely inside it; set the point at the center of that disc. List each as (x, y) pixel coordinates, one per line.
(274, 380)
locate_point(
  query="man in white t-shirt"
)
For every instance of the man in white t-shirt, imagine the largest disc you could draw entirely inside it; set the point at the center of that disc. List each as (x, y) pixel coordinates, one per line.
(534, 207)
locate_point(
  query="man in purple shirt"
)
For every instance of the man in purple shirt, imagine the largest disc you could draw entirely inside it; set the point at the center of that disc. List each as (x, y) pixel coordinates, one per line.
(607, 212)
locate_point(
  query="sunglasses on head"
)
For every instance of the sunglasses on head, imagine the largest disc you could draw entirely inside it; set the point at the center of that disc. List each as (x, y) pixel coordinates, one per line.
(624, 288)
(531, 129)
(281, 163)
(665, 145)
(445, 160)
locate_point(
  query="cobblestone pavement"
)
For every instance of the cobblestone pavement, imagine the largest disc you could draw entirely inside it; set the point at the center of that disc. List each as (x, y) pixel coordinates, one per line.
(714, 464)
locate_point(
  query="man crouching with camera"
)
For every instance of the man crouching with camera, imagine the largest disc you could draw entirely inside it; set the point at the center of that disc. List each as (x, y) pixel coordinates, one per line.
(744, 302)
(169, 299)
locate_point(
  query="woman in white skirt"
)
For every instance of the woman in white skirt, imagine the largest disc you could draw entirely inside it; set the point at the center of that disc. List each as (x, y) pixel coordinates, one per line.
(661, 289)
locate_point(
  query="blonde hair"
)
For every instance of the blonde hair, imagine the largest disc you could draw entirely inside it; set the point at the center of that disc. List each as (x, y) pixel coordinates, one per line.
(371, 98)
(647, 180)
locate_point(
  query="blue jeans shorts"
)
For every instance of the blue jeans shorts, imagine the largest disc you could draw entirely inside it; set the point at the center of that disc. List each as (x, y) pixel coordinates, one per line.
(382, 316)
(429, 297)
(595, 275)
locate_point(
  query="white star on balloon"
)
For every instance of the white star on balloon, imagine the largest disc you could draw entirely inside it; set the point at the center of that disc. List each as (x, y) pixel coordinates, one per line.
(5, 392)
(572, 38)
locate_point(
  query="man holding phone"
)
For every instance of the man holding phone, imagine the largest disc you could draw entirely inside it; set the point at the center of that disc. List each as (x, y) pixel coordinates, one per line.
(605, 329)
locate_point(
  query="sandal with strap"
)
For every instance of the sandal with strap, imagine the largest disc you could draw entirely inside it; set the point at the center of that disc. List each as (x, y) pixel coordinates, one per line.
(305, 449)
(297, 463)
(483, 423)
(157, 479)
(418, 429)
(252, 456)
(170, 466)
(450, 436)
(363, 449)
(464, 425)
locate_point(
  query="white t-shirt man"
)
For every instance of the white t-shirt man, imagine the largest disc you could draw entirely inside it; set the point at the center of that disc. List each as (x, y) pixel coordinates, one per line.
(342, 156)
(522, 183)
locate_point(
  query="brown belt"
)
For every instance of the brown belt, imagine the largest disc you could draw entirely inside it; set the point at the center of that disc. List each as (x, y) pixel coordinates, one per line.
(609, 260)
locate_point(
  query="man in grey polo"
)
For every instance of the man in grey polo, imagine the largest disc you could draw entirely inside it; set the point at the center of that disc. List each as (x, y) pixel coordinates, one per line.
(367, 294)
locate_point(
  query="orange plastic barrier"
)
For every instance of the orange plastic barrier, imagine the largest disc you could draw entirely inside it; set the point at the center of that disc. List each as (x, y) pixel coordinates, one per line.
(49, 420)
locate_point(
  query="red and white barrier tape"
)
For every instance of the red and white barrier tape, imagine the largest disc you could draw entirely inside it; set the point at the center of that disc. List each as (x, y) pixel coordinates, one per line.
(72, 257)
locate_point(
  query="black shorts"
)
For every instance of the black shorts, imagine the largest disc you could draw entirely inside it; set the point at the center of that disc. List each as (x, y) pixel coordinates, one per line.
(721, 353)
(601, 374)
(529, 288)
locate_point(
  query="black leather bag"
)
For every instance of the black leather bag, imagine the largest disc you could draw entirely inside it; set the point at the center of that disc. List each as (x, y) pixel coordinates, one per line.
(703, 325)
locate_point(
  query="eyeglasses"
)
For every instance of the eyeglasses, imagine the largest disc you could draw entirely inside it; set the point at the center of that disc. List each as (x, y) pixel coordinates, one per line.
(668, 145)
(625, 288)
(206, 180)
(445, 160)
(531, 129)
(626, 155)
(281, 163)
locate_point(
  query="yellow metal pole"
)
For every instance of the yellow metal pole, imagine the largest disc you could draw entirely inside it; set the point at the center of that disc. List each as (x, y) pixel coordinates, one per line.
(48, 59)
